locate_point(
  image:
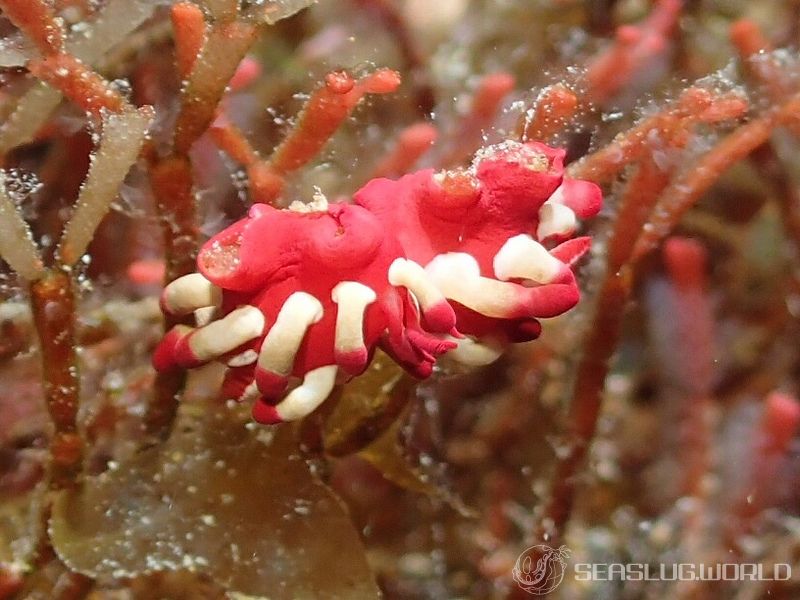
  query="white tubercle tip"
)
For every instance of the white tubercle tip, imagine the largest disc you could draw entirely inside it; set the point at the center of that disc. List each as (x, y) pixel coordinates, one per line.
(190, 292)
(298, 313)
(230, 332)
(555, 219)
(525, 258)
(304, 399)
(473, 353)
(248, 357)
(457, 275)
(408, 274)
(352, 299)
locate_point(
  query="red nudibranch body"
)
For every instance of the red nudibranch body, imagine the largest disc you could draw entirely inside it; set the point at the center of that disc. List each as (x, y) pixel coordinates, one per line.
(432, 263)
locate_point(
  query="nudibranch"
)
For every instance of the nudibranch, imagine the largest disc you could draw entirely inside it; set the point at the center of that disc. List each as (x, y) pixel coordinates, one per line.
(296, 300)
(303, 294)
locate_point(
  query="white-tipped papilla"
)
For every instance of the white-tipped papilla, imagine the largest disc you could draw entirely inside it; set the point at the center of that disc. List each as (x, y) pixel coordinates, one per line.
(472, 353)
(190, 292)
(249, 394)
(248, 357)
(410, 275)
(298, 313)
(305, 398)
(230, 332)
(458, 276)
(555, 219)
(204, 316)
(352, 299)
(525, 258)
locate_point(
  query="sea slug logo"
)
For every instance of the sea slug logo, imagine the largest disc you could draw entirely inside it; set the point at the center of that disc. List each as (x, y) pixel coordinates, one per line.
(540, 569)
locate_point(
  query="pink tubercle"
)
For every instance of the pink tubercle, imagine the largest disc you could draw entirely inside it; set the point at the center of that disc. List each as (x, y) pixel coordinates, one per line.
(439, 317)
(248, 71)
(780, 422)
(147, 271)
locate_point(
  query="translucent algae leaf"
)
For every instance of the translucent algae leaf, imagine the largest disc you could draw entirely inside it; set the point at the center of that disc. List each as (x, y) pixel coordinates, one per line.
(369, 418)
(122, 139)
(17, 247)
(386, 454)
(275, 10)
(224, 10)
(367, 406)
(237, 505)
